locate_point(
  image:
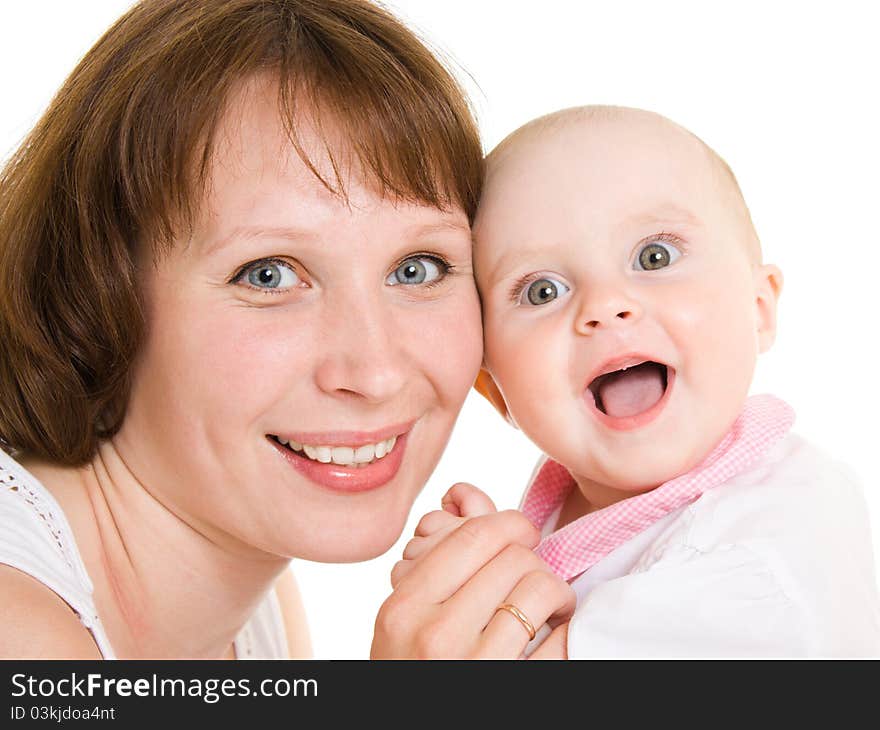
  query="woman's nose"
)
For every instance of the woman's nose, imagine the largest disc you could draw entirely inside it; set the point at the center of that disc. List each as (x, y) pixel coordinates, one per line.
(363, 355)
(607, 309)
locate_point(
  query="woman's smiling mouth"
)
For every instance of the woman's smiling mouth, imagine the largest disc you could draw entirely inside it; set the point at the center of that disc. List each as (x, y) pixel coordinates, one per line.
(353, 456)
(346, 461)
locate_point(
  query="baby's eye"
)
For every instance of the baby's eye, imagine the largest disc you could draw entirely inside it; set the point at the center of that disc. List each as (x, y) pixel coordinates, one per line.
(269, 275)
(418, 270)
(543, 291)
(656, 255)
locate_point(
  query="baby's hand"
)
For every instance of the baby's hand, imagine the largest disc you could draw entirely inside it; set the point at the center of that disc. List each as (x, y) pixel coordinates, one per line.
(462, 502)
(465, 500)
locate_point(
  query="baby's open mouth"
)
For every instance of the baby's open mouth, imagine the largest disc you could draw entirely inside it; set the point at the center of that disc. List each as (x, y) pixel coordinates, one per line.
(631, 390)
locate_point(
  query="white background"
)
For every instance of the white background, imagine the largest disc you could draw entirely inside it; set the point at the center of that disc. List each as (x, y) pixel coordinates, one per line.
(786, 92)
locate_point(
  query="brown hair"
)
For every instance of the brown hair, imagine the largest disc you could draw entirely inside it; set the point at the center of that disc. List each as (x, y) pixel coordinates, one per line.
(122, 156)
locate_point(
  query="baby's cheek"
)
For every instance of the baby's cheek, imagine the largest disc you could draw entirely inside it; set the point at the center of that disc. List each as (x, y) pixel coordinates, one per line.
(719, 348)
(494, 333)
(531, 369)
(699, 308)
(711, 314)
(506, 340)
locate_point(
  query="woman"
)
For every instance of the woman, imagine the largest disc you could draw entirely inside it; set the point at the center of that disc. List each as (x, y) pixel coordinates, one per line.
(230, 253)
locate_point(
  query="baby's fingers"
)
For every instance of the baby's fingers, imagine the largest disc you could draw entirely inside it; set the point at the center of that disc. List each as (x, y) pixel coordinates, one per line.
(418, 546)
(465, 500)
(433, 528)
(437, 521)
(422, 545)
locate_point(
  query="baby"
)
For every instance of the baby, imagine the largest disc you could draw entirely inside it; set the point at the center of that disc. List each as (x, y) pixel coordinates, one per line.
(625, 303)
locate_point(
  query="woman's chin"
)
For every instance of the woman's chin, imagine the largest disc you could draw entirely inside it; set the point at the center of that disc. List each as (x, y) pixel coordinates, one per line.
(354, 546)
(346, 553)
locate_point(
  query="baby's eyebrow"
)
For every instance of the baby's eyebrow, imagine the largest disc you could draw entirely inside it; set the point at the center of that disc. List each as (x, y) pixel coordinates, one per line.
(508, 263)
(665, 213)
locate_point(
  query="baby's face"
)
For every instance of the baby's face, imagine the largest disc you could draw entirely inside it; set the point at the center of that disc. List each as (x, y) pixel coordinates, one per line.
(623, 306)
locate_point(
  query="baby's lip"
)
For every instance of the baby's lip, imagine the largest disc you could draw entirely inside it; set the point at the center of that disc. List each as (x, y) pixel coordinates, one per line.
(630, 359)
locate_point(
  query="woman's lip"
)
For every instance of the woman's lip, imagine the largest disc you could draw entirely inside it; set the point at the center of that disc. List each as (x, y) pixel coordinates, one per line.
(631, 423)
(347, 479)
(346, 438)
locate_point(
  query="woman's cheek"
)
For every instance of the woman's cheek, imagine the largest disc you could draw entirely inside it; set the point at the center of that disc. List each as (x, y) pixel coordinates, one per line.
(450, 342)
(248, 350)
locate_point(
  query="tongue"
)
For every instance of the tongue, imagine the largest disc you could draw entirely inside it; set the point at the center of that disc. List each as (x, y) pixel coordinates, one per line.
(633, 391)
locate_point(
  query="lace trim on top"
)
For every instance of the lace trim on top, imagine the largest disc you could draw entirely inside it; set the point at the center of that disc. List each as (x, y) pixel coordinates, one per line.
(19, 485)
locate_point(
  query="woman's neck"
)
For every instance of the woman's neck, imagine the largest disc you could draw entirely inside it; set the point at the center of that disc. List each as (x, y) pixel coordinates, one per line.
(164, 586)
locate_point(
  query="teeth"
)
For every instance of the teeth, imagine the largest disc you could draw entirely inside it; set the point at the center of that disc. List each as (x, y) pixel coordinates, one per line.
(344, 455)
(365, 454)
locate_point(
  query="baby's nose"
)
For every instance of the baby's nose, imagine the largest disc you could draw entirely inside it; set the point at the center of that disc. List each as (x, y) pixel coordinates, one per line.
(611, 310)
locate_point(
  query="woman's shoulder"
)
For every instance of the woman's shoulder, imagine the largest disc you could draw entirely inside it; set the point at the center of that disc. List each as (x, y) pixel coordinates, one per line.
(42, 578)
(29, 609)
(35, 536)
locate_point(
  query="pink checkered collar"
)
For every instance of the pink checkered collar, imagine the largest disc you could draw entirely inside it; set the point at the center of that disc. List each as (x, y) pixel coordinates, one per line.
(579, 545)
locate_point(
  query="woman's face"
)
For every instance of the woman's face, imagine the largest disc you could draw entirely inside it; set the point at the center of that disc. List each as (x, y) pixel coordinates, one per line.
(292, 316)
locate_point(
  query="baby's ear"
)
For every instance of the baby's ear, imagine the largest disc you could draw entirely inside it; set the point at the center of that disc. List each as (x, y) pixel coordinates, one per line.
(485, 385)
(768, 286)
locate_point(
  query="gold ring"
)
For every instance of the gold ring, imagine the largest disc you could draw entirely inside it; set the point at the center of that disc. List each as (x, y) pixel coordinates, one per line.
(519, 616)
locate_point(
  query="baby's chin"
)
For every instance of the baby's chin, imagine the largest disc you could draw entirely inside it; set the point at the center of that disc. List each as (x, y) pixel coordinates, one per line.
(636, 475)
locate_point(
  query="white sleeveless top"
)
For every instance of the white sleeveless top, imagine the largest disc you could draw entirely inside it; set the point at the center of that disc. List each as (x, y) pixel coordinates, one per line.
(36, 539)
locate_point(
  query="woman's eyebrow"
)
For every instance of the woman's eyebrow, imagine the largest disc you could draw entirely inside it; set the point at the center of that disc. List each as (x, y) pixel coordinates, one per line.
(427, 229)
(304, 235)
(238, 233)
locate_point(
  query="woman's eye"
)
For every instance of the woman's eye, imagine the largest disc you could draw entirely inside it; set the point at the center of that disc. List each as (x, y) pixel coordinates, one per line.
(543, 291)
(417, 270)
(269, 275)
(656, 255)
